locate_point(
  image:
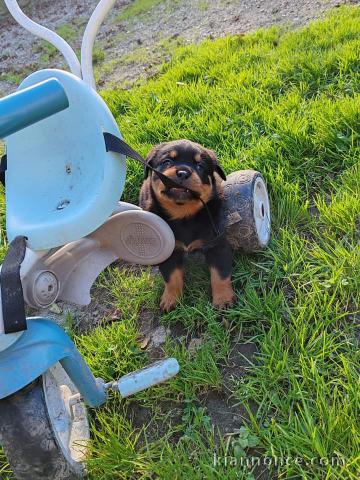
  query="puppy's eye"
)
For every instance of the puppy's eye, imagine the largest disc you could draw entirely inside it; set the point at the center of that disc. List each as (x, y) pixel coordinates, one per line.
(167, 162)
(199, 167)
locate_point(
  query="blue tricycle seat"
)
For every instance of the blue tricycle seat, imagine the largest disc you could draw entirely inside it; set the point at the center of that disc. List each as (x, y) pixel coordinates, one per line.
(61, 184)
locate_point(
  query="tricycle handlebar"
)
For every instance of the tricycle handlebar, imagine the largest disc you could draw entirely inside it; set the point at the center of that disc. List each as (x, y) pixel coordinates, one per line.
(30, 105)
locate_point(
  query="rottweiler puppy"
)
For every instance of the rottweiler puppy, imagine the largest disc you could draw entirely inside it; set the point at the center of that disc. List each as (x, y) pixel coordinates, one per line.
(196, 168)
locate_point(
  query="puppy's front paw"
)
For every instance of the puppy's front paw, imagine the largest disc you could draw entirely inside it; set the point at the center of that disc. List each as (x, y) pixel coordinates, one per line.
(222, 291)
(168, 301)
(224, 301)
(173, 290)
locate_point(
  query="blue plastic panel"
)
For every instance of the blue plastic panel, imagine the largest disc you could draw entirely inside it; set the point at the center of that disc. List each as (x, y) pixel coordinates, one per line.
(61, 184)
(42, 345)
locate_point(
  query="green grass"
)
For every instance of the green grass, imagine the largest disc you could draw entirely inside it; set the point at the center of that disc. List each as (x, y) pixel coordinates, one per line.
(15, 77)
(152, 59)
(287, 104)
(138, 7)
(98, 56)
(162, 49)
(11, 77)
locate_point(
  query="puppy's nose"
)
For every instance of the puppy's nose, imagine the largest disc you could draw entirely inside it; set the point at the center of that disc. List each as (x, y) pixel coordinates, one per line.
(183, 173)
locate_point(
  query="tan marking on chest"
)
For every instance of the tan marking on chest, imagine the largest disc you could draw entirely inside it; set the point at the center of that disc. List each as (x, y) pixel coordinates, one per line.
(194, 245)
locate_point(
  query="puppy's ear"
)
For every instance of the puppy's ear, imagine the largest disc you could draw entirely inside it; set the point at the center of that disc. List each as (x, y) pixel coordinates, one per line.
(216, 165)
(150, 158)
(220, 171)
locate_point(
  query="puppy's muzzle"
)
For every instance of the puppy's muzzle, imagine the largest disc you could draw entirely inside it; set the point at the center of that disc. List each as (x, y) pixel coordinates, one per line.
(182, 192)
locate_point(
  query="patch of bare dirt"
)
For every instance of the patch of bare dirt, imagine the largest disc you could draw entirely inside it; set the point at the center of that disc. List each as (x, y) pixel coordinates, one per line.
(241, 357)
(80, 318)
(225, 412)
(132, 49)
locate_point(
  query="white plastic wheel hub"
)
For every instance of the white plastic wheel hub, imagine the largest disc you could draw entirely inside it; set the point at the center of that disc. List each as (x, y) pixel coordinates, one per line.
(262, 211)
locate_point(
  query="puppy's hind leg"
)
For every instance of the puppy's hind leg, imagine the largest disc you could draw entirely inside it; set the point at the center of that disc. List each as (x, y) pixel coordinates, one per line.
(172, 271)
(220, 260)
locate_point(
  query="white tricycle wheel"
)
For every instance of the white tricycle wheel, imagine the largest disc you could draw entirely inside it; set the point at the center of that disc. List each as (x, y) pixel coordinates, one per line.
(68, 419)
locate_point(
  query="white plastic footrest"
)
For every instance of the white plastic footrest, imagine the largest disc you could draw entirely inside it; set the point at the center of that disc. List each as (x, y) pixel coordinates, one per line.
(136, 236)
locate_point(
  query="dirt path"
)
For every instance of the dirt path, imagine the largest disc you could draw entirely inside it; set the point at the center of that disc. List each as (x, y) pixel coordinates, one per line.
(131, 46)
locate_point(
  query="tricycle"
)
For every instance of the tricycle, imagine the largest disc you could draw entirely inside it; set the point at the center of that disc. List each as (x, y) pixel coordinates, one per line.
(64, 225)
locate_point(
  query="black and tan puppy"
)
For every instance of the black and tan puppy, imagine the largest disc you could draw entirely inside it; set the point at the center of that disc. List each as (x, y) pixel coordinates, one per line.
(197, 169)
